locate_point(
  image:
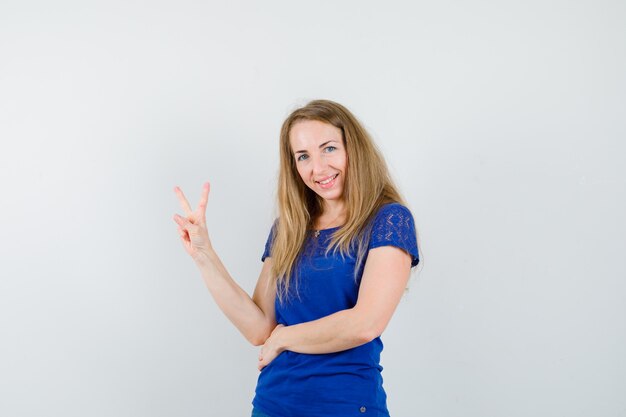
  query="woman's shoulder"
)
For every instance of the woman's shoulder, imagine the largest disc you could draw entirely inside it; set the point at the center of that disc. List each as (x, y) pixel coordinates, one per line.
(394, 225)
(390, 210)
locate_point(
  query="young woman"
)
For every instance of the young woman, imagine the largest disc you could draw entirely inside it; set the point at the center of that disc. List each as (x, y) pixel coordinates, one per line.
(335, 265)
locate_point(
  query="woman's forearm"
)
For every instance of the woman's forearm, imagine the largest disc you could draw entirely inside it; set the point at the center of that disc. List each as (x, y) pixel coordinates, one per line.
(234, 302)
(343, 330)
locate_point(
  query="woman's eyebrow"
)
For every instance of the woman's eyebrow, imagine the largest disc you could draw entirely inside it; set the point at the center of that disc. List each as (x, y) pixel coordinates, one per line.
(321, 146)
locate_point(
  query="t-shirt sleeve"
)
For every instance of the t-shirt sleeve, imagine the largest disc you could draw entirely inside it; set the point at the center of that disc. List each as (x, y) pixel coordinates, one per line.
(393, 225)
(268, 244)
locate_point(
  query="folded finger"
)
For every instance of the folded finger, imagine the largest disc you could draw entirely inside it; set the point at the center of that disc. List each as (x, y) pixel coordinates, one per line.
(181, 221)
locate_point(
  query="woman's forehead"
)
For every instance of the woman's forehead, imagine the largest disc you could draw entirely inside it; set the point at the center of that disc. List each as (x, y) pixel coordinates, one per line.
(312, 133)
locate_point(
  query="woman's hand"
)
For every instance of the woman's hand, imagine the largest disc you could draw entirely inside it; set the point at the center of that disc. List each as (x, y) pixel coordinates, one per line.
(192, 228)
(270, 350)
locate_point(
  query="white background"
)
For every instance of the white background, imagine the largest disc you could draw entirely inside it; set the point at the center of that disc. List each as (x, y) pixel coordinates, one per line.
(502, 122)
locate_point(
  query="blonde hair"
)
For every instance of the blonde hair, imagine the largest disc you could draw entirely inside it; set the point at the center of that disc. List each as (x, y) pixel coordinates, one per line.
(367, 187)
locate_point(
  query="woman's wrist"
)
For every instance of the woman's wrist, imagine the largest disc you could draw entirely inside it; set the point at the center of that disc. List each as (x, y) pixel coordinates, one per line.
(205, 257)
(278, 338)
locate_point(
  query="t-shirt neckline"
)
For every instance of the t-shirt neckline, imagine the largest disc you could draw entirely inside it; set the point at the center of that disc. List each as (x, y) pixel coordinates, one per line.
(326, 230)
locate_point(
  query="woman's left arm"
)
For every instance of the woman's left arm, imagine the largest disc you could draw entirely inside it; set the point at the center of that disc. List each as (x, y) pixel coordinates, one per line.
(384, 280)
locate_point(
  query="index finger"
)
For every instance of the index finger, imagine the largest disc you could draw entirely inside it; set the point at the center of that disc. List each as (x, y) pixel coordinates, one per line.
(183, 201)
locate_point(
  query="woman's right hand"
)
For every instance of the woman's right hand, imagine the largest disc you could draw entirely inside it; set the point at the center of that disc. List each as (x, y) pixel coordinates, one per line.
(192, 228)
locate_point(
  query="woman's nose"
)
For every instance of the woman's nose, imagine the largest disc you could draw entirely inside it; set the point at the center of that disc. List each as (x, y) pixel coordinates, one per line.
(319, 165)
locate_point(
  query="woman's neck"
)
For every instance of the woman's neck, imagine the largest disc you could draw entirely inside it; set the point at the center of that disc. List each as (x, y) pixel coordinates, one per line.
(332, 216)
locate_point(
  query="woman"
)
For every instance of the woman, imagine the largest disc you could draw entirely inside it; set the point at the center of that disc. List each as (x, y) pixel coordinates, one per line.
(335, 265)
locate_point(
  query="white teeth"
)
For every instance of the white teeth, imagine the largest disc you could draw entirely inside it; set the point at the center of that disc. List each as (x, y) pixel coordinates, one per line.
(328, 180)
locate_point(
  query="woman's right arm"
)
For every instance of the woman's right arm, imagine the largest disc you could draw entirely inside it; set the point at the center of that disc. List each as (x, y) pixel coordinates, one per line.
(254, 317)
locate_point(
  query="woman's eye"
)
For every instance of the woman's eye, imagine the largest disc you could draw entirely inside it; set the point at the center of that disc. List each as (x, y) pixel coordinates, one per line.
(302, 157)
(330, 148)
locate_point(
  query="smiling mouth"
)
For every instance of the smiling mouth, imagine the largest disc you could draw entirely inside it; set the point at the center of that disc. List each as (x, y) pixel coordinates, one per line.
(327, 180)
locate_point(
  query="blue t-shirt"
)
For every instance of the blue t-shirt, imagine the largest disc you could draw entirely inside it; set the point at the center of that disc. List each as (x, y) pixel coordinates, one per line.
(342, 384)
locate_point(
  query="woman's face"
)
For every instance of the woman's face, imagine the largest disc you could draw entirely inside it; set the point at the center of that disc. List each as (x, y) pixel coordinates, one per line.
(320, 157)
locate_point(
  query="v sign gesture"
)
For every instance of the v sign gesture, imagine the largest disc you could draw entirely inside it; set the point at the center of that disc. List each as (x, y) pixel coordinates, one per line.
(254, 318)
(192, 228)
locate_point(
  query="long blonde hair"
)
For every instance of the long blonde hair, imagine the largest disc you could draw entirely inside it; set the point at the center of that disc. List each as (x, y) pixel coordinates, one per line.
(368, 186)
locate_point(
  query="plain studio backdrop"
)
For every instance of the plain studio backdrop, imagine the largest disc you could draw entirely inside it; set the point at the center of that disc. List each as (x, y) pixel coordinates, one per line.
(502, 122)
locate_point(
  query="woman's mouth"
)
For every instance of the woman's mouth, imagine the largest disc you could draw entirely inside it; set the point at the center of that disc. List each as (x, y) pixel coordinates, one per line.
(327, 183)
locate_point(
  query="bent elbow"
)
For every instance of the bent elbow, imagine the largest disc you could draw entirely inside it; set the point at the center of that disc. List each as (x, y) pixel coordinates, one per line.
(370, 332)
(368, 335)
(256, 342)
(367, 327)
(259, 337)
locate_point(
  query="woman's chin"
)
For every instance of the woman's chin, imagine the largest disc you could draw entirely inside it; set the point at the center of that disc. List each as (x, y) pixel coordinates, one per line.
(331, 196)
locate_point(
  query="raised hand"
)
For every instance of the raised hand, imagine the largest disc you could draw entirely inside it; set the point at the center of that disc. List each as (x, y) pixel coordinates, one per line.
(192, 228)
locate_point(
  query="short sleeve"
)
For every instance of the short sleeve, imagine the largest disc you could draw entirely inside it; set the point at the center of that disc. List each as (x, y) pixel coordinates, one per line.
(268, 243)
(393, 225)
